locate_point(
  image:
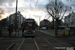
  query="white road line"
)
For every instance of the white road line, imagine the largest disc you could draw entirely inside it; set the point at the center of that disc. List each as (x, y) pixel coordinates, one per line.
(21, 44)
(36, 44)
(46, 41)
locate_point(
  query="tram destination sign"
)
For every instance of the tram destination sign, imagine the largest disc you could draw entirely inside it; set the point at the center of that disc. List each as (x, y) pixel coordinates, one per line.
(29, 21)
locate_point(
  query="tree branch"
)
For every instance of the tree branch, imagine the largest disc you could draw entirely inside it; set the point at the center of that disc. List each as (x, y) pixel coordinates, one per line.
(64, 14)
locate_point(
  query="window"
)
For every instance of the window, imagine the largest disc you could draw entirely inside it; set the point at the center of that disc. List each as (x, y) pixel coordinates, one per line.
(30, 24)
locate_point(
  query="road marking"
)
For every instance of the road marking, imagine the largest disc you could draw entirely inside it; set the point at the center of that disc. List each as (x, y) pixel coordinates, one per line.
(36, 44)
(21, 44)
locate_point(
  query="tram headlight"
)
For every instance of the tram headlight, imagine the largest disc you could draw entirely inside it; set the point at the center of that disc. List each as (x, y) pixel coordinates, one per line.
(25, 30)
(33, 30)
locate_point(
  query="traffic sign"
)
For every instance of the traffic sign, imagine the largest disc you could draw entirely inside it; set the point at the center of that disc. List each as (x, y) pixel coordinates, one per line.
(60, 32)
(14, 33)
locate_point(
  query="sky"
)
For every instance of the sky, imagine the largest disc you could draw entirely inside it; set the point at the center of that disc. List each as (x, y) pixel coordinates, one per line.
(29, 8)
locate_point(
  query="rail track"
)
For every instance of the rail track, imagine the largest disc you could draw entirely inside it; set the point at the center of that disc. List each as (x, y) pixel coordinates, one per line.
(54, 42)
(40, 42)
(36, 43)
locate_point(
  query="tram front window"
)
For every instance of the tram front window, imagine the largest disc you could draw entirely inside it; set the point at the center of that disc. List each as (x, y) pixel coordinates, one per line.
(30, 24)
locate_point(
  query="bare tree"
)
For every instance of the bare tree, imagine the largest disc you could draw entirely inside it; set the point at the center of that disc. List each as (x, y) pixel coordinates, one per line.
(60, 8)
(57, 11)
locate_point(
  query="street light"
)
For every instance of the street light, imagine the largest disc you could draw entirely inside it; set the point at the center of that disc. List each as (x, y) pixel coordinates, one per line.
(16, 16)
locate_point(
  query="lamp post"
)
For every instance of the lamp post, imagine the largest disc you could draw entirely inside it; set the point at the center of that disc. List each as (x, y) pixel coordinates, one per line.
(16, 16)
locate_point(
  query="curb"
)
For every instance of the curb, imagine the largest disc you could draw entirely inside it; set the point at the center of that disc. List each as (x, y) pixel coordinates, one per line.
(10, 46)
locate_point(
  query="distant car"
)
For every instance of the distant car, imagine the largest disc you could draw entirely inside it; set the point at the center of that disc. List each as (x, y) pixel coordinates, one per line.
(67, 28)
(43, 28)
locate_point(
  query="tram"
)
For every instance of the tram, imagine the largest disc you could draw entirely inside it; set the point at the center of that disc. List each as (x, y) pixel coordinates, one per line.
(29, 27)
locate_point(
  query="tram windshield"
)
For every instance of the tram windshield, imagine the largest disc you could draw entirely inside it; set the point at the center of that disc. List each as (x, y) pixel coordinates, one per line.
(29, 24)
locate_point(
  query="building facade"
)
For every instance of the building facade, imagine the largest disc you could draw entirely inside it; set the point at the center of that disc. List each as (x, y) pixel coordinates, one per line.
(70, 20)
(20, 19)
(45, 23)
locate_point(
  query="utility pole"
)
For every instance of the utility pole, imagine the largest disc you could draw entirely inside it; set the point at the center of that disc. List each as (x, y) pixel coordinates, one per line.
(39, 22)
(56, 17)
(16, 16)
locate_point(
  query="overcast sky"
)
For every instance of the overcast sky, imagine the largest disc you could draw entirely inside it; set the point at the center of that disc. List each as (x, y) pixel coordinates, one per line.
(28, 8)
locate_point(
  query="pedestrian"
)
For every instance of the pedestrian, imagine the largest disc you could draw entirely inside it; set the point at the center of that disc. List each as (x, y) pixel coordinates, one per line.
(9, 29)
(22, 30)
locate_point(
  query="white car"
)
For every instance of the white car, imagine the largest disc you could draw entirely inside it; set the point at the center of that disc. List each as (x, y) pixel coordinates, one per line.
(43, 28)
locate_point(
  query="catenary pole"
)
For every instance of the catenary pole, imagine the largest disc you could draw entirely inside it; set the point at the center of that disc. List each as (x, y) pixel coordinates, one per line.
(16, 16)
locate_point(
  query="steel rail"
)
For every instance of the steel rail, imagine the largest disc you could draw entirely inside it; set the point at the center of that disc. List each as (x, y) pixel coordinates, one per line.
(36, 44)
(58, 41)
(47, 41)
(21, 44)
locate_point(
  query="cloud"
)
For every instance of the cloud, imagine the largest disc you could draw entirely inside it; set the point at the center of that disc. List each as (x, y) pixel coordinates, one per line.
(2, 2)
(34, 8)
(23, 5)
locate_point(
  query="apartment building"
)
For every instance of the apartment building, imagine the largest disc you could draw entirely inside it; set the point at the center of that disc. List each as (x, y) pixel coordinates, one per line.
(20, 19)
(70, 20)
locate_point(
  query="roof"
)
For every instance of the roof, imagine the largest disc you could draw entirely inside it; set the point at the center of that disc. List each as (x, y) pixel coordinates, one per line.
(29, 19)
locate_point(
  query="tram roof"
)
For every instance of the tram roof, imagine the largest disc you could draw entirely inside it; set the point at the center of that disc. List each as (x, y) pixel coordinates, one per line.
(29, 19)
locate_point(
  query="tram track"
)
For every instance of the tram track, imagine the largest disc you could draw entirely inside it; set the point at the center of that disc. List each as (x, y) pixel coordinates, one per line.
(21, 44)
(18, 44)
(43, 44)
(40, 42)
(29, 44)
(35, 44)
(54, 42)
